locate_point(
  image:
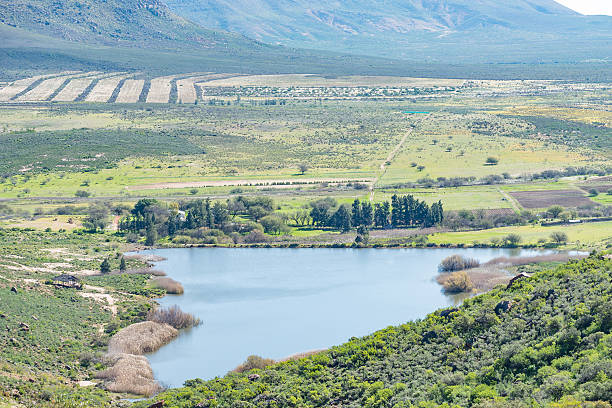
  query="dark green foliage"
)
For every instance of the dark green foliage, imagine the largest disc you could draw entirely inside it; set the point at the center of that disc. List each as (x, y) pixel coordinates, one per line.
(105, 266)
(57, 148)
(553, 343)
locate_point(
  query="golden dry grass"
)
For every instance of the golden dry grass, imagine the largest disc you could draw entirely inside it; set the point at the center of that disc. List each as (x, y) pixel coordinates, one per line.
(168, 284)
(141, 338)
(129, 371)
(456, 282)
(130, 374)
(174, 317)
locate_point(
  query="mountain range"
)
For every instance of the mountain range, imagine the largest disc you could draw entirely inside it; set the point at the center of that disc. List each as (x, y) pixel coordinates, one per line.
(425, 30)
(458, 38)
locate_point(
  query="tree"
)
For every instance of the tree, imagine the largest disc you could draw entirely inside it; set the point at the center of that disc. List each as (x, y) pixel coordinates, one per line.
(356, 213)
(558, 237)
(341, 219)
(492, 161)
(105, 266)
(367, 214)
(258, 212)
(220, 214)
(122, 265)
(151, 236)
(303, 168)
(97, 218)
(273, 225)
(381, 214)
(143, 205)
(554, 211)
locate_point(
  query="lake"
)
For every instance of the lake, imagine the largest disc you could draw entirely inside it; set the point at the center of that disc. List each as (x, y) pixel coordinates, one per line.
(278, 302)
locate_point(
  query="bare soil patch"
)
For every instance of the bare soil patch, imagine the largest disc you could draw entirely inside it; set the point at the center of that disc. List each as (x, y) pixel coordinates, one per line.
(547, 198)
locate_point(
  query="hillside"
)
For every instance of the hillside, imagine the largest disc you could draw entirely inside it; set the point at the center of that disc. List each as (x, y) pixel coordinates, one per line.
(544, 340)
(141, 23)
(458, 30)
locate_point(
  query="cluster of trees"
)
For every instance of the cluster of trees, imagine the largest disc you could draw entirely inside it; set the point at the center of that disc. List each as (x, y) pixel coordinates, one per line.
(199, 219)
(402, 211)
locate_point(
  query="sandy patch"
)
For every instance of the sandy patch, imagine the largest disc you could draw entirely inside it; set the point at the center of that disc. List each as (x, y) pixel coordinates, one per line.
(104, 298)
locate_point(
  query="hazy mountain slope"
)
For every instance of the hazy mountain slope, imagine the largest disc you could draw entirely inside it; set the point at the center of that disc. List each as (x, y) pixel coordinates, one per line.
(142, 23)
(455, 30)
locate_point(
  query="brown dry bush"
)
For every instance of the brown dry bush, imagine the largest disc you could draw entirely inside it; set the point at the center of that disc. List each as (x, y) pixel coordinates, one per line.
(457, 263)
(169, 285)
(456, 282)
(129, 373)
(174, 317)
(141, 338)
(254, 362)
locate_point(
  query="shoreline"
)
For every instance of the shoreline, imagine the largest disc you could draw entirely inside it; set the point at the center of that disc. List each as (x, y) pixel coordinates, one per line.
(496, 274)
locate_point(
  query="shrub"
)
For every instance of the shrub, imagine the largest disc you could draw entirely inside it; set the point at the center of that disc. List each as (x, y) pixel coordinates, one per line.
(457, 282)
(512, 239)
(82, 193)
(256, 236)
(105, 266)
(132, 237)
(174, 317)
(558, 237)
(492, 161)
(254, 362)
(457, 263)
(593, 192)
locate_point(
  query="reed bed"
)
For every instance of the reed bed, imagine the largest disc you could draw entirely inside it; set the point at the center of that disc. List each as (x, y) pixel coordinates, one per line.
(129, 373)
(141, 338)
(174, 317)
(456, 282)
(457, 263)
(168, 284)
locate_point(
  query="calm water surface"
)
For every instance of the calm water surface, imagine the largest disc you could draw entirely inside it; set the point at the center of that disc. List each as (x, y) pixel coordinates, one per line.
(278, 302)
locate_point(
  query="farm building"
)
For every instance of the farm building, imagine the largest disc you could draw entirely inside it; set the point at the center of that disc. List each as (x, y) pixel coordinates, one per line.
(67, 281)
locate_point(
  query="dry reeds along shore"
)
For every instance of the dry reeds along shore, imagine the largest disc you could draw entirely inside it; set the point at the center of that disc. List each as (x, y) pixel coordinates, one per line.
(168, 284)
(129, 371)
(470, 276)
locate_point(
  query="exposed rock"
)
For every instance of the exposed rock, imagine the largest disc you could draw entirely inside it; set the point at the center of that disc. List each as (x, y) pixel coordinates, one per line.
(254, 377)
(503, 307)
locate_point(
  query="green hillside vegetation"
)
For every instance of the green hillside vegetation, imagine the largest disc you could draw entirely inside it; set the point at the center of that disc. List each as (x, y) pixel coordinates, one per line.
(545, 341)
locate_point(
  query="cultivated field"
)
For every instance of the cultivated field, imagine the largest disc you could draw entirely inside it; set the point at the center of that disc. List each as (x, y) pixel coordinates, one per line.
(130, 91)
(104, 89)
(159, 92)
(547, 198)
(15, 88)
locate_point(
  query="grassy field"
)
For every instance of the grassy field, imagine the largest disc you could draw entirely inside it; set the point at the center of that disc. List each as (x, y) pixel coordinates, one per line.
(582, 236)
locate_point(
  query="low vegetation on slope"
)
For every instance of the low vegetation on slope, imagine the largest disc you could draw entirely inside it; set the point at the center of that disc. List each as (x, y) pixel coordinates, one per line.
(544, 341)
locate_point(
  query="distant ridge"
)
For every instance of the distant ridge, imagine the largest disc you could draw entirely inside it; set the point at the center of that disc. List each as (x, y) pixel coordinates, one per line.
(432, 30)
